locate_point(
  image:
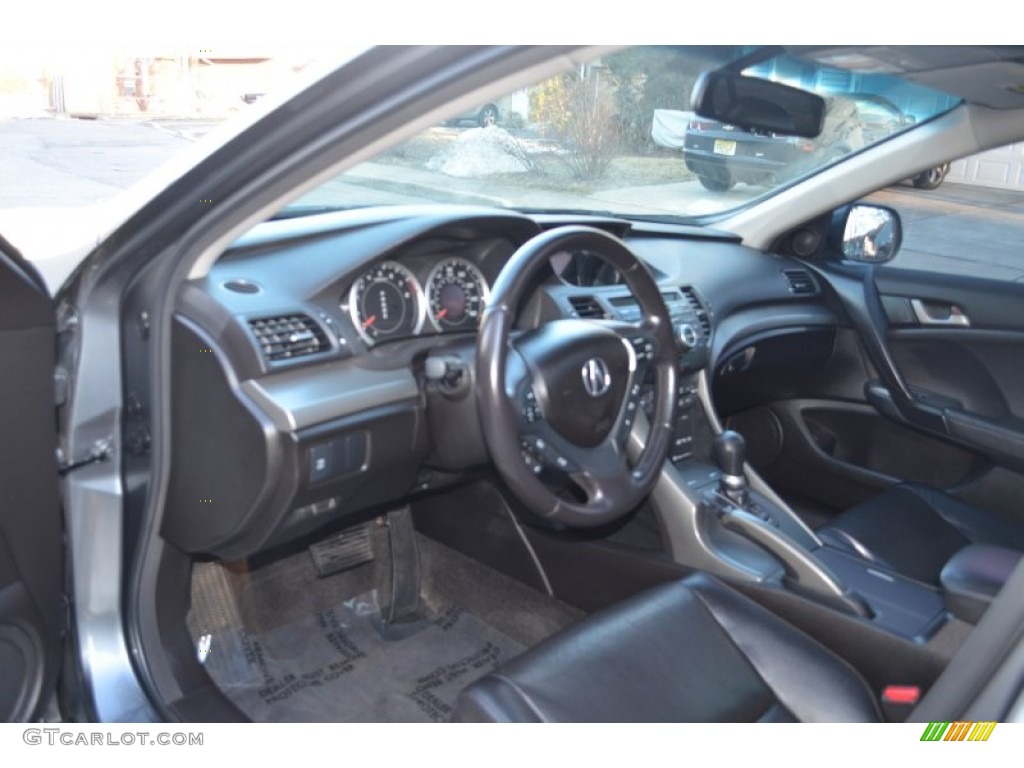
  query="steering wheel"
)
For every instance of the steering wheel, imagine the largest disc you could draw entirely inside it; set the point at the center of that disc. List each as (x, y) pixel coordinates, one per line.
(564, 397)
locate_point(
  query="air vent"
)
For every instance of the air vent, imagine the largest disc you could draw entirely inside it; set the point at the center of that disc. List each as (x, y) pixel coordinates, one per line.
(698, 306)
(800, 282)
(586, 307)
(289, 336)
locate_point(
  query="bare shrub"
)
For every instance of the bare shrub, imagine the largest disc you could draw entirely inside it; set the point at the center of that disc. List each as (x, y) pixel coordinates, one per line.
(579, 114)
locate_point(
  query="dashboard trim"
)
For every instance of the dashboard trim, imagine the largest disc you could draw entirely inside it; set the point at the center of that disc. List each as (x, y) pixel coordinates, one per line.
(304, 398)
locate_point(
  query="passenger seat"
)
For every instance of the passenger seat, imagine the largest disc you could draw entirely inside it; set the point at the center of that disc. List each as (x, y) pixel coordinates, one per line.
(914, 530)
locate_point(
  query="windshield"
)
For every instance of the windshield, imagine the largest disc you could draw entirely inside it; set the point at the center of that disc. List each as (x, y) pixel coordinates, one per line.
(616, 136)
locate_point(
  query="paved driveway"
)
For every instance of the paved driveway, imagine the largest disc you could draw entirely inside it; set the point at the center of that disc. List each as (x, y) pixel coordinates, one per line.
(61, 162)
(961, 229)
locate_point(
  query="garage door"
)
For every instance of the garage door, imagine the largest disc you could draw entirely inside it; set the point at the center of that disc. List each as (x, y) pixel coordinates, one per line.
(1002, 168)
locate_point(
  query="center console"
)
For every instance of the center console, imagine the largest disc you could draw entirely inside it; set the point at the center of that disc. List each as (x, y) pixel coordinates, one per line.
(725, 520)
(717, 515)
(838, 579)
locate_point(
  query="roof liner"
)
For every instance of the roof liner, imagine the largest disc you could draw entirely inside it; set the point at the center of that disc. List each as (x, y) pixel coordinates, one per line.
(991, 76)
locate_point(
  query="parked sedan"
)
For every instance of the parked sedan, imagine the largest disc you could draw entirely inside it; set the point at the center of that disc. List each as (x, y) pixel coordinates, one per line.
(310, 436)
(484, 116)
(931, 178)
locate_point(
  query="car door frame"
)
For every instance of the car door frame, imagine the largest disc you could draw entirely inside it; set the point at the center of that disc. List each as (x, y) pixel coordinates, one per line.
(32, 601)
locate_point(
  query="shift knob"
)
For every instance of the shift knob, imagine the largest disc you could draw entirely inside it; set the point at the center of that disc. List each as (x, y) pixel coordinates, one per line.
(729, 451)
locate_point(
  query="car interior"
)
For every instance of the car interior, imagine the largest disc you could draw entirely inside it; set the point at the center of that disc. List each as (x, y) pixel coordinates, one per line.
(360, 559)
(451, 462)
(411, 443)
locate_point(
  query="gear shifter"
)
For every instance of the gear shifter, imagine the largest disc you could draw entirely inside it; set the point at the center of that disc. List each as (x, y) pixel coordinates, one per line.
(729, 451)
(742, 513)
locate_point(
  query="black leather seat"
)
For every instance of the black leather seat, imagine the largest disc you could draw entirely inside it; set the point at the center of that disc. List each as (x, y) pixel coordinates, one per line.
(697, 651)
(914, 530)
(690, 651)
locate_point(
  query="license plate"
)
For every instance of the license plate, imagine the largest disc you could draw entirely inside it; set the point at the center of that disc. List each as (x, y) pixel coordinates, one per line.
(725, 147)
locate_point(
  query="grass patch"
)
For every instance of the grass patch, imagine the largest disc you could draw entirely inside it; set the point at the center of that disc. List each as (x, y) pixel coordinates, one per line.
(630, 171)
(640, 171)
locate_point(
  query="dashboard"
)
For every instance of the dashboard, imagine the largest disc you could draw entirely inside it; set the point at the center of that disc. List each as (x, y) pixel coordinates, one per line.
(323, 368)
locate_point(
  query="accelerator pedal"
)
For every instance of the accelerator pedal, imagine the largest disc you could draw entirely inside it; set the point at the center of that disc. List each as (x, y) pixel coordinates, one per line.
(404, 591)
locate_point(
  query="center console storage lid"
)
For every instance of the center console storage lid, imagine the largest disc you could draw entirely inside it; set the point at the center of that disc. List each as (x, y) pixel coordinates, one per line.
(973, 577)
(902, 606)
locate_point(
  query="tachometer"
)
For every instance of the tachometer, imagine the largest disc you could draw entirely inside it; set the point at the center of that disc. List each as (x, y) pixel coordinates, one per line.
(457, 292)
(386, 302)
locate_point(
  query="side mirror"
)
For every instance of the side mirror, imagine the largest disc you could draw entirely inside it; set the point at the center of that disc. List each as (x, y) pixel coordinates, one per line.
(753, 104)
(867, 233)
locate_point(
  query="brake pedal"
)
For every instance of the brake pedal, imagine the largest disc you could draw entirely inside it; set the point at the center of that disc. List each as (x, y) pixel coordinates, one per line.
(343, 551)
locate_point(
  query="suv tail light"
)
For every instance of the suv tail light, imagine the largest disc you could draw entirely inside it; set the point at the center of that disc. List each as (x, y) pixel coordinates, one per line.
(804, 145)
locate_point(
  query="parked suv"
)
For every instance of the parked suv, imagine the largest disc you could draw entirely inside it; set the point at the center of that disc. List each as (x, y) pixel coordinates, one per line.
(722, 155)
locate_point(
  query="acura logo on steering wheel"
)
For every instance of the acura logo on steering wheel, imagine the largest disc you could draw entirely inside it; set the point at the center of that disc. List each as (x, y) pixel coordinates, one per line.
(596, 377)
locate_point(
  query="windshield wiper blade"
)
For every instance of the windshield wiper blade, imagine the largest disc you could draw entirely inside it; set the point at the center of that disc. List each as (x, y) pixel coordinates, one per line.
(298, 211)
(572, 212)
(655, 218)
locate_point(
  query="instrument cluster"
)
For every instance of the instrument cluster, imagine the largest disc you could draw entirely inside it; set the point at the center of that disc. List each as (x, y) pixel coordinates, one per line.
(389, 301)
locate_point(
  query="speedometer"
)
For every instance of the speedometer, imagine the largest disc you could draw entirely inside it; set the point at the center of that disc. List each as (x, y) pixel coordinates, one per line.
(386, 302)
(457, 292)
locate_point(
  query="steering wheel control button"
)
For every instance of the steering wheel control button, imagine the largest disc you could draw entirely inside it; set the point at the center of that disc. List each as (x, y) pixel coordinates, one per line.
(530, 409)
(558, 461)
(644, 348)
(529, 455)
(540, 452)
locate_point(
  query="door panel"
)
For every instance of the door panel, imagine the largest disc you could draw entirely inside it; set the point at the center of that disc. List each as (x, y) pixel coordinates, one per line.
(959, 354)
(983, 370)
(31, 551)
(939, 403)
(837, 453)
(948, 360)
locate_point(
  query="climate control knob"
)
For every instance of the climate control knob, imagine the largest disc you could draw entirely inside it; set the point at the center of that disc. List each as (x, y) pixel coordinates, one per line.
(687, 336)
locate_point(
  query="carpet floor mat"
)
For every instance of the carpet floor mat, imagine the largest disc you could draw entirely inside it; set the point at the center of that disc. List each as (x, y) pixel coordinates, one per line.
(310, 659)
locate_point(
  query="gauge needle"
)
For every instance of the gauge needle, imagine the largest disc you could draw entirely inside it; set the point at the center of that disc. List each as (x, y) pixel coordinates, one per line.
(442, 313)
(370, 321)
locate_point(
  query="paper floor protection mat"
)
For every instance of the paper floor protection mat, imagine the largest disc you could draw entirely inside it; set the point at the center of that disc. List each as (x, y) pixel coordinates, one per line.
(345, 665)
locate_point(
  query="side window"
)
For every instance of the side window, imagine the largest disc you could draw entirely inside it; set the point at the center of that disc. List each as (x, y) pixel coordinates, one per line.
(964, 218)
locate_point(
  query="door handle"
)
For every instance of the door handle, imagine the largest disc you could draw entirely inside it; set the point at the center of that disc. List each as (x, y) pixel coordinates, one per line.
(928, 314)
